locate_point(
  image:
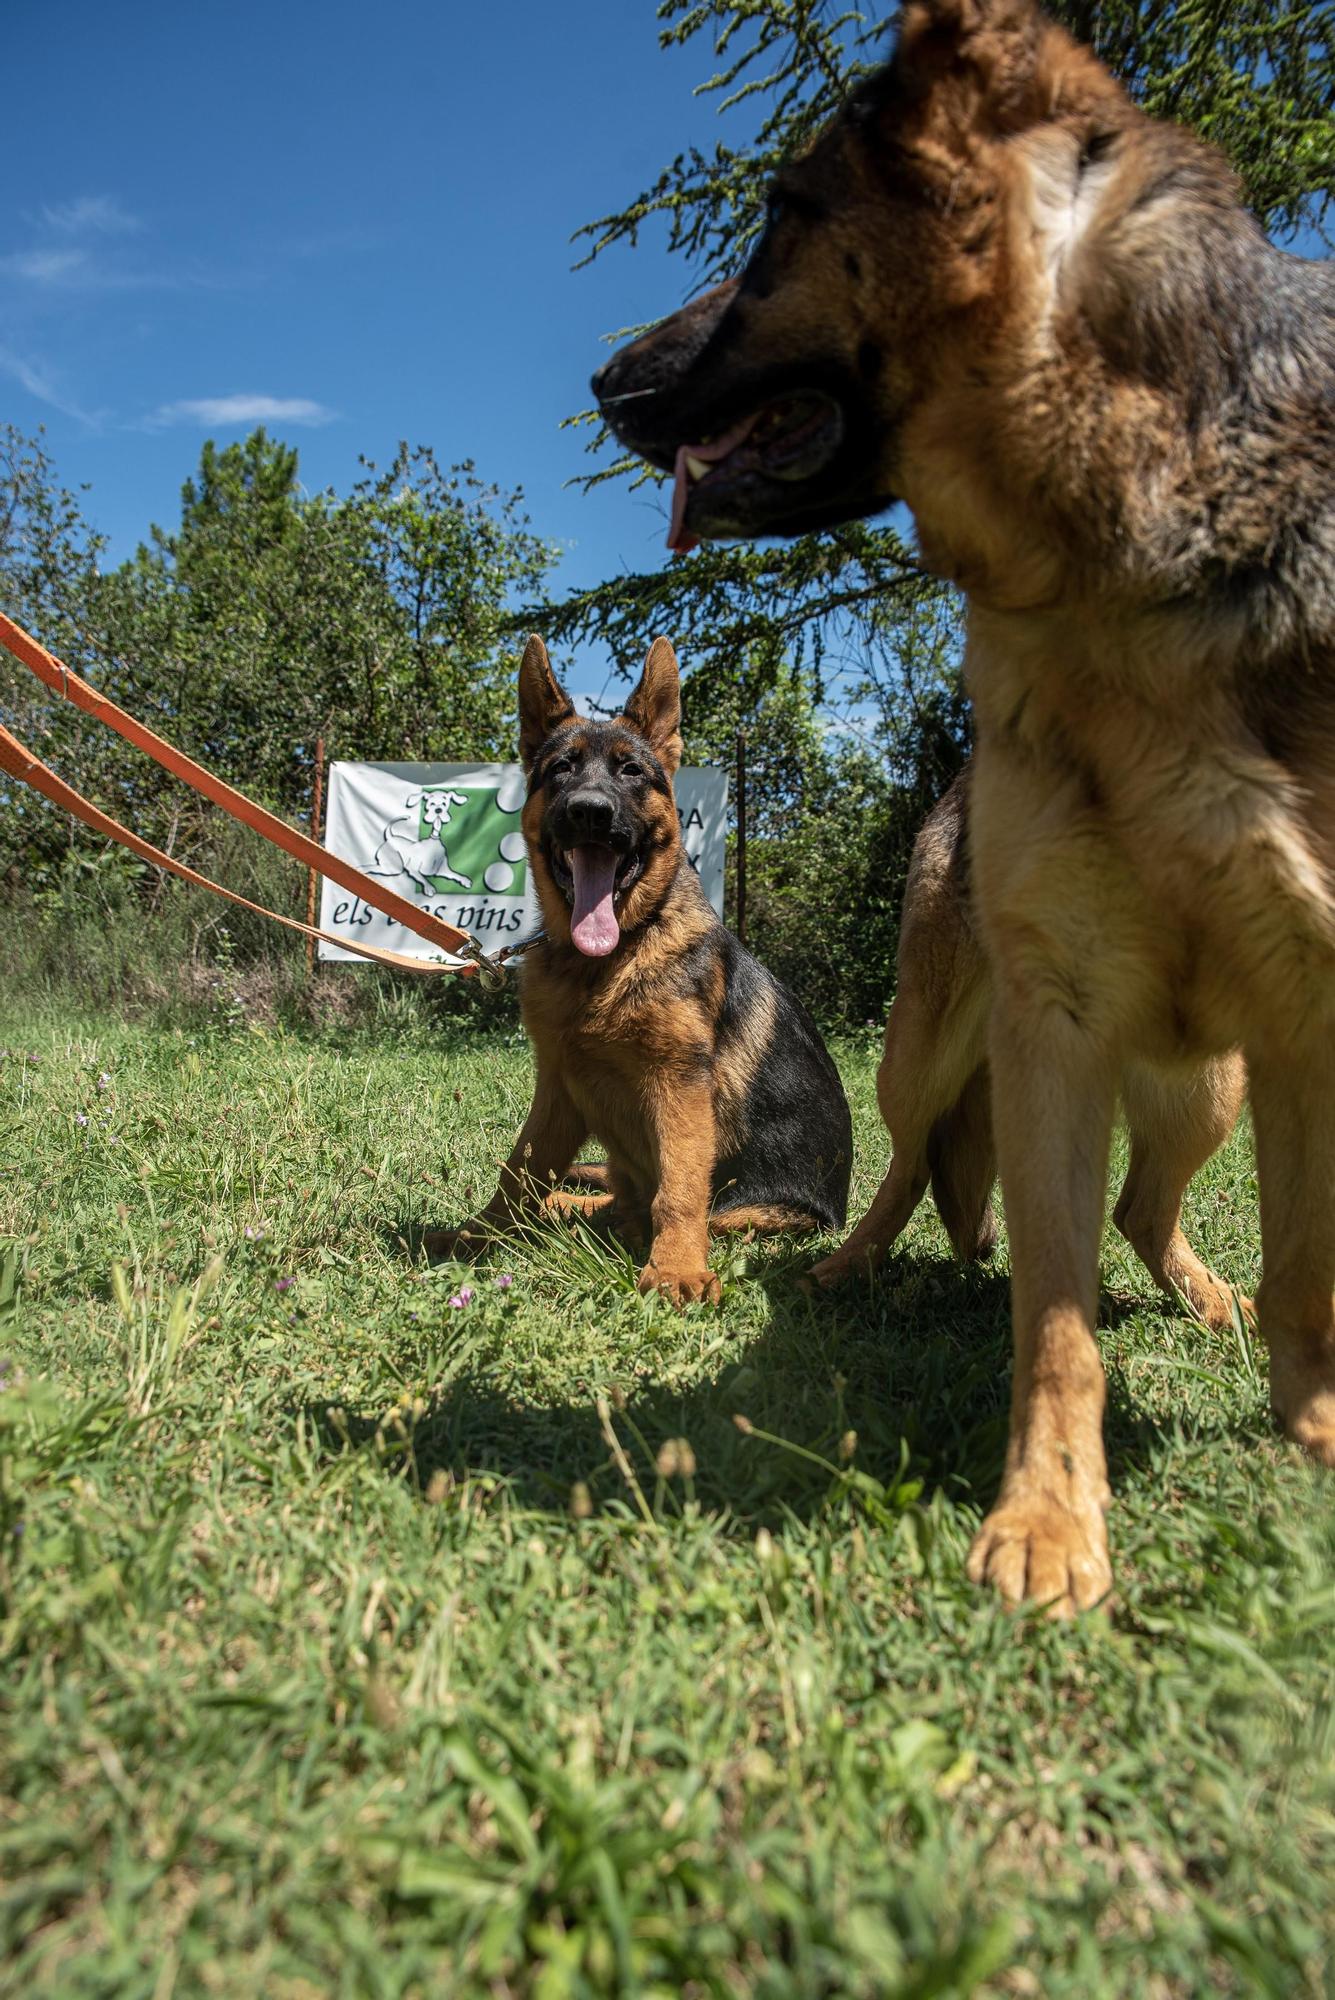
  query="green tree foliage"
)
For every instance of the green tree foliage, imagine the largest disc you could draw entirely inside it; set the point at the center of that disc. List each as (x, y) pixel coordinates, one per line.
(49, 577)
(378, 621)
(266, 619)
(48, 554)
(831, 821)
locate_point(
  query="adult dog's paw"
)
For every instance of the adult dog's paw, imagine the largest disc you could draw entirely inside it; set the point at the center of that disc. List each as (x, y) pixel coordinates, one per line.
(1311, 1424)
(1210, 1299)
(681, 1287)
(851, 1260)
(1039, 1551)
(1302, 1392)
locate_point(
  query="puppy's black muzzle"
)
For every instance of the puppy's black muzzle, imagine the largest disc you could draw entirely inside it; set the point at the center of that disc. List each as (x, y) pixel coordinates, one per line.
(591, 818)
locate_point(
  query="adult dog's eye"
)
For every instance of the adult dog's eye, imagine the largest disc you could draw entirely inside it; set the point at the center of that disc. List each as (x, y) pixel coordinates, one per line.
(632, 770)
(558, 767)
(786, 204)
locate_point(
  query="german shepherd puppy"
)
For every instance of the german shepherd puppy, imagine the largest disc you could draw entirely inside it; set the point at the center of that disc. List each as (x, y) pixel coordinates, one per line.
(653, 1030)
(935, 1096)
(997, 290)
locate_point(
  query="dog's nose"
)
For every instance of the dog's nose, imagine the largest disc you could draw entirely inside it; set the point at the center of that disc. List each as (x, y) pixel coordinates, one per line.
(589, 816)
(623, 370)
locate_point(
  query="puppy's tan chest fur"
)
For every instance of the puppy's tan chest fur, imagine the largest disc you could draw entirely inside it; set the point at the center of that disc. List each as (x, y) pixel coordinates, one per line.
(611, 1055)
(613, 1032)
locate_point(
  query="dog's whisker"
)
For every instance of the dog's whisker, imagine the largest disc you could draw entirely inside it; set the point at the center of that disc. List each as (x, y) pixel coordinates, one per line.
(628, 396)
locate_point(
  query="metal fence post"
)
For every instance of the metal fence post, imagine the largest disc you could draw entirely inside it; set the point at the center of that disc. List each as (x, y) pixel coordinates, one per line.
(312, 877)
(741, 835)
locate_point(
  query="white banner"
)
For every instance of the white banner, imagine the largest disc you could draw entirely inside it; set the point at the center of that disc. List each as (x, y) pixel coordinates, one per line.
(447, 836)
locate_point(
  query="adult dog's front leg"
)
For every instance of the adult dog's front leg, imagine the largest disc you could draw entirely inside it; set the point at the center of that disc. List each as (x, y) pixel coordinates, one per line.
(1053, 1091)
(1293, 1107)
(1176, 1121)
(682, 1114)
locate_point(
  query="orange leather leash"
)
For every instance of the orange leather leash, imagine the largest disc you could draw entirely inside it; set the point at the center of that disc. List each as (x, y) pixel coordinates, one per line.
(22, 764)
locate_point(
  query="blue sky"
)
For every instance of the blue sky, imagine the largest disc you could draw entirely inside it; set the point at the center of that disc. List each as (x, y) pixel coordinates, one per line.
(351, 223)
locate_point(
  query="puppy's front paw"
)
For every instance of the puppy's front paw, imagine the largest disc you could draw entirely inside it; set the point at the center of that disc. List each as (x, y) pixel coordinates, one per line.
(681, 1287)
(564, 1201)
(461, 1245)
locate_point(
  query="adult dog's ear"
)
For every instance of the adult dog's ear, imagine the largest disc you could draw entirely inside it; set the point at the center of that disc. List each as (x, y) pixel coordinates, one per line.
(987, 51)
(654, 710)
(543, 702)
(971, 17)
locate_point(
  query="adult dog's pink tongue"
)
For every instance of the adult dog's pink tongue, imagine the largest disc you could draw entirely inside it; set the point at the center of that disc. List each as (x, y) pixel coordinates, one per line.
(593, 921)
(679, 535)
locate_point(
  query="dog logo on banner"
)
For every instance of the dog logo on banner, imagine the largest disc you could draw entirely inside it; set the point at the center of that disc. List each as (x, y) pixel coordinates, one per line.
(482, 837)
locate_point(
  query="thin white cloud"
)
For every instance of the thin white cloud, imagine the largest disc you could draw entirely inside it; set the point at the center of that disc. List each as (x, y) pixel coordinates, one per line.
(42, 387)
(90, 214)
(228, 411)
(58, 270)
(71, 250)
(45, 267)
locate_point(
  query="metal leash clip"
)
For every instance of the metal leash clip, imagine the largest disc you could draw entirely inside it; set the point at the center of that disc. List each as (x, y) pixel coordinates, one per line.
(492, 970)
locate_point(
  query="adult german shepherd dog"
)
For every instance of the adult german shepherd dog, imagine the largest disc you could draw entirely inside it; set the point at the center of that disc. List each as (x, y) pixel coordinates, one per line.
(653, 1030)
(995, 289)
(935, 1096)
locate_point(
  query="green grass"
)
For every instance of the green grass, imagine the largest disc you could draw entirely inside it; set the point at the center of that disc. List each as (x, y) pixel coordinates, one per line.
(356, 1642)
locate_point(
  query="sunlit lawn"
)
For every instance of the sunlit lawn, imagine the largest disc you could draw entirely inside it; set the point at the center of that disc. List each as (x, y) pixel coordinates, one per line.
(368, 1635)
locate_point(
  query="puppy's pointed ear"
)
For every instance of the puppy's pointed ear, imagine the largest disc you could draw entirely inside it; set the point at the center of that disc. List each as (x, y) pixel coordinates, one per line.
(654, 710)
(543, 702)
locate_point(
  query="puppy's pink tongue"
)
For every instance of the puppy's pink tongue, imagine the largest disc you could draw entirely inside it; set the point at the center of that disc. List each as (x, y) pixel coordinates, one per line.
(593, 921)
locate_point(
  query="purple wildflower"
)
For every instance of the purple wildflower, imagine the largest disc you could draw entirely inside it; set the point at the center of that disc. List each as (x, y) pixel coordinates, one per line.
(79, 1118)
(281, 1284)
(462, 1298)
(504, 1282)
